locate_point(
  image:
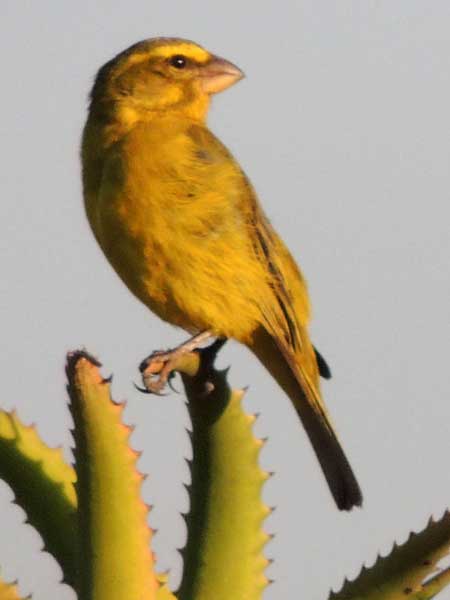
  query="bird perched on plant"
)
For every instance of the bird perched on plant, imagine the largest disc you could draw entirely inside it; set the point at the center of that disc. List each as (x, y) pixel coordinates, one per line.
(181, 224)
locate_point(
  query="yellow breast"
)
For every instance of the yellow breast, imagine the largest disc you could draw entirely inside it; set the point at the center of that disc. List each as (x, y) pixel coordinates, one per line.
(166, 212)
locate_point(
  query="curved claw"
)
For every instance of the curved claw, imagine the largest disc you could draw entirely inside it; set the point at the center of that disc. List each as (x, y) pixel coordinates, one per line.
(170, 384)
(148, 390)
(141, 389)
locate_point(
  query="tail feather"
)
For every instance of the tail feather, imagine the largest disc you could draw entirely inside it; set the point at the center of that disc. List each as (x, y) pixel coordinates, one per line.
(304, 394)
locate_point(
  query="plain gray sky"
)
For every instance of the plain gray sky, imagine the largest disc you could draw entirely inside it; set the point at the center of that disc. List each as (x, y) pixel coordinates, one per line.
(343, 126)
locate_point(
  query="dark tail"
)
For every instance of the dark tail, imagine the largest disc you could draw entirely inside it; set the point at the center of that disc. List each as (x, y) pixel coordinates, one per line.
(335, 466)
(286, 369)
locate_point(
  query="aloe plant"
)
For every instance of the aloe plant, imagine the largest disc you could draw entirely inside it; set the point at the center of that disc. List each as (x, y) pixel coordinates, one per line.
(93, 520)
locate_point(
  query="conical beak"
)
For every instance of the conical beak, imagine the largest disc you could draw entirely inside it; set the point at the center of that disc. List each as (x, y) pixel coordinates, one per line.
(218, 75)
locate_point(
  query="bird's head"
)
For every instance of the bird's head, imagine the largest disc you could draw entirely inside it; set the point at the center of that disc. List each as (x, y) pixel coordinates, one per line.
(160, 75)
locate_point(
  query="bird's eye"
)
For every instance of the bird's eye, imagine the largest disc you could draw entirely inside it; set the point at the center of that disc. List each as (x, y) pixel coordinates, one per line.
(178, 61)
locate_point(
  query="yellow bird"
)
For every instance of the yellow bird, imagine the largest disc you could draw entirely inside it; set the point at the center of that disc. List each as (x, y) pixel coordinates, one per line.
(179, 221)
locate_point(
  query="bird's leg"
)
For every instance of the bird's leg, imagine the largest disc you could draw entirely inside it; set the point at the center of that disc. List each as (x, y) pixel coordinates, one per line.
(161, 364)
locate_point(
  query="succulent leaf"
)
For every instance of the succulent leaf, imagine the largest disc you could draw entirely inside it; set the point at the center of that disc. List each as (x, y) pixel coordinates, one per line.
(116, 562)
(223, 556)
(42, 483)
(402, 573)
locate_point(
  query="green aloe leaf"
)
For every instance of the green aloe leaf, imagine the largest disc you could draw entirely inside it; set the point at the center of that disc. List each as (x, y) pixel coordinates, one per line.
(223, 556)
(43, 484)
(403, 572)
(116, 562)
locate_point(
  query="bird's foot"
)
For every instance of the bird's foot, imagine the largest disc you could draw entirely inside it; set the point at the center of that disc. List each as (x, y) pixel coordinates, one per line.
(158, 368)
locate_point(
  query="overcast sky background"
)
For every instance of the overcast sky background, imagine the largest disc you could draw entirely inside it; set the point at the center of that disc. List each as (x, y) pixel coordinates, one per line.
(343, 126)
